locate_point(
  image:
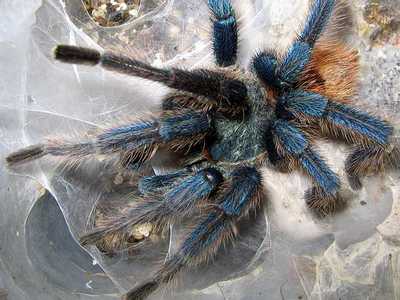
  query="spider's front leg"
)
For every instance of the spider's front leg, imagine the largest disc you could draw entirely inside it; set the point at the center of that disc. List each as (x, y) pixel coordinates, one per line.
(287, 141)
(241, 195)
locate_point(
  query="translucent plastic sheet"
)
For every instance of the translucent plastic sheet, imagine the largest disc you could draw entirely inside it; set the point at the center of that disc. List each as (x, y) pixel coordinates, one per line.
(283, 253)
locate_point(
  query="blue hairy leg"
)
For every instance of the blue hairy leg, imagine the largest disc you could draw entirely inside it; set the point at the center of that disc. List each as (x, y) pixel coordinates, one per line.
(341, 121)
(291, 142)
(335, 119)
(300, 104)
(135, 142)
(299, 54)
(225, 32)
(294, 62)
(354, 125)
(288, 70)
(183, 125)
(266, 65)
(157, 183)
(179, 198)
(214, 229)
(317, 20)
(285, 73)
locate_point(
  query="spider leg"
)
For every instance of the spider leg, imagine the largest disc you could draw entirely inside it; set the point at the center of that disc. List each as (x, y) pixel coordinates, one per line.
(323, 203)
(225, 32)
(179, 196)
(291, 142)
(336, 119)
(216, 228)
(354, 125)
(158, 183)
(347, 123)
(288, 71)
(294, 63)
(299, 54)
(266, 66)
(202, 82)
(317, 20)
(365, 160)
(135, 142)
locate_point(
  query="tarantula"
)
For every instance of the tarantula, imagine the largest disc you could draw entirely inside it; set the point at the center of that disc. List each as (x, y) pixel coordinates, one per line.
(228, 123)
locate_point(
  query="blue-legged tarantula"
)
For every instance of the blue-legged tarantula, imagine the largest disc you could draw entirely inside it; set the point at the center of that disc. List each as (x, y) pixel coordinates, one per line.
(229, 123)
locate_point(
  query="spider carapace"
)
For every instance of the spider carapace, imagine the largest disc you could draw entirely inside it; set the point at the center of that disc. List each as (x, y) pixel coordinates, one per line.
(228, 123)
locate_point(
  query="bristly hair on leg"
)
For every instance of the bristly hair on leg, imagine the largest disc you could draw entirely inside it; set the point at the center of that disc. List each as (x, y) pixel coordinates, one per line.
(241, 195)
(369, 160)
(340, 20)
(178, 200)
(77, 55)
(289, 140)
(323, 204)
(317, 19)
(354, 126)
(225, 32)
(266, 66)
(135, 142)
(27, 154)
(211, 84)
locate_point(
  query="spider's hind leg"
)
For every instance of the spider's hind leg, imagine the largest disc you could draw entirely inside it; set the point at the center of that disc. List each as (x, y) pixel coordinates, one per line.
(164, 199)
(371, 136)
(215, 228)
(225, 32)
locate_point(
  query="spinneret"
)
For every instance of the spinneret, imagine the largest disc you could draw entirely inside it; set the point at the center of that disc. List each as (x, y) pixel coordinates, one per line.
(227, 123)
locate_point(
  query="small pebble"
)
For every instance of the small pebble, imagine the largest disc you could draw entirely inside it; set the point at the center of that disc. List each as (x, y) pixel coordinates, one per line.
(142, 231)
(110, 13)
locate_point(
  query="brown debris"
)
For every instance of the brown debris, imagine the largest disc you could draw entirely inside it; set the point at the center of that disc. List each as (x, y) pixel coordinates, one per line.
(109, 13)
(384, 18)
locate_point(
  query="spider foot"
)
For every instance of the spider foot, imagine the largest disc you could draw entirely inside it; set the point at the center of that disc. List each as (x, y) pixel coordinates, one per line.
(368, 160)
(322, 203)
(354, 182)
